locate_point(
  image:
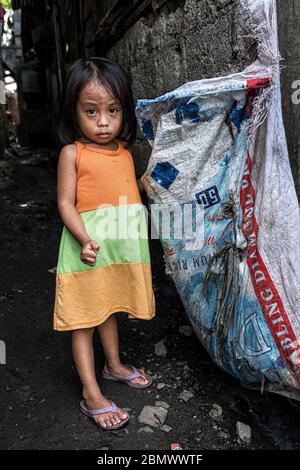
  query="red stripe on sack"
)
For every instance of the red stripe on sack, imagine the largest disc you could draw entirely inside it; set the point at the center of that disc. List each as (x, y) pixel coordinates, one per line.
(259, 82)
(265, 290)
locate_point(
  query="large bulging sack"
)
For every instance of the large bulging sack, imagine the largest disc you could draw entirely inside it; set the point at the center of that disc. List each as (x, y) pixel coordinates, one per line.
(219, 164)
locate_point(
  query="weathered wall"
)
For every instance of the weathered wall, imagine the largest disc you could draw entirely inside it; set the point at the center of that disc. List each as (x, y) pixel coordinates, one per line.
(289, 40)
(182, 41)
(193, 39)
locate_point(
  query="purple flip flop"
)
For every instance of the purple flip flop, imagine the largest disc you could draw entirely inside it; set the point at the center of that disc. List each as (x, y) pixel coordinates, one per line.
(113, 408)
(128, 378)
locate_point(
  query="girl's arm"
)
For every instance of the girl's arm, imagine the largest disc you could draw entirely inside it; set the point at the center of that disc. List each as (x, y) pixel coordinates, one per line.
(66, 193)
(66, 199)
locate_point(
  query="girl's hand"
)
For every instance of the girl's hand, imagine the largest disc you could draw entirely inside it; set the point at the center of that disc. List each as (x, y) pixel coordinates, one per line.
(89, 252)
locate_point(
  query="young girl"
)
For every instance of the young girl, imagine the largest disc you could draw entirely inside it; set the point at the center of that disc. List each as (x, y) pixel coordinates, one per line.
(99, 275)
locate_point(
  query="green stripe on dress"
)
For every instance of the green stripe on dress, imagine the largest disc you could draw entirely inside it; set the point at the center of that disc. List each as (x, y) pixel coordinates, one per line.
(121, 232)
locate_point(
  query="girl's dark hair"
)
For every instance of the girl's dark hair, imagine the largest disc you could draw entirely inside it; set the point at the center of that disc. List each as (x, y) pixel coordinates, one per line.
(115, 80)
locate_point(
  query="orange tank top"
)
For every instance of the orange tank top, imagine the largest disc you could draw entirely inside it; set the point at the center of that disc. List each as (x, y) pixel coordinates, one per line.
(103, 176)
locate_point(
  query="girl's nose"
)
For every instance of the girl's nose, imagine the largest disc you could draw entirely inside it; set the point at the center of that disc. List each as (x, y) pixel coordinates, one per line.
(102, 120)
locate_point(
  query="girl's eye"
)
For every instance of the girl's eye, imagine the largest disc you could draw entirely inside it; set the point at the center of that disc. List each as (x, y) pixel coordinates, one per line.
(114, 110)
(91, 112)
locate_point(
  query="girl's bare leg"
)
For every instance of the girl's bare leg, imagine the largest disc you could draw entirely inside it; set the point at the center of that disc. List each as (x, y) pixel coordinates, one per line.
(83, 354)
(109, 335)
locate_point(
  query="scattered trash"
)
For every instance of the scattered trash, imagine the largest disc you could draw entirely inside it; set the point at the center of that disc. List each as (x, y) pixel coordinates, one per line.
(146, 429)
(216, 413)
(52, 270)
(176, 446)
(185, 396)
(163, 404)
(224, 435)
(160, 349)
(166, 428)
(186, 330)
(243, 432)
(160, 386)
(154, 416)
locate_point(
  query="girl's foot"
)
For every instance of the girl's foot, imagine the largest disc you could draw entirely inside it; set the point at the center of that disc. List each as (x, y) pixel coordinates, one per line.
(122, 371)
(95, 401)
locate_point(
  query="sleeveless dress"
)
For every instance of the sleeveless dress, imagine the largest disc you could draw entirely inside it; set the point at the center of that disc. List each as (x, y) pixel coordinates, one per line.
(109, 202)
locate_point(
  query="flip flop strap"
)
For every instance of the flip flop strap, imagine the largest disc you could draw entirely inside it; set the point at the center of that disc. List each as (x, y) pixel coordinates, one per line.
(113, 408)
(136, 374)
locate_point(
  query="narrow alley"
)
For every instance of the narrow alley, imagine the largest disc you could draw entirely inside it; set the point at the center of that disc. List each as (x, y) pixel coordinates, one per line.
(40, 392)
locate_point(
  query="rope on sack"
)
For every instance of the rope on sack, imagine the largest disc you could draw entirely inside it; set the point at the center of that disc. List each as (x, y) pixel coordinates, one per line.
(224, 267)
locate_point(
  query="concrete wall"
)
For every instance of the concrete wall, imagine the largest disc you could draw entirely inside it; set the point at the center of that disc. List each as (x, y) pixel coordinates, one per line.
(182, 41)
(289, 41)
(188, 40)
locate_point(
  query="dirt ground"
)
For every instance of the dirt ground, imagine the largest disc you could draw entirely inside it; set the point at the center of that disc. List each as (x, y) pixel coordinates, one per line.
(40, 391)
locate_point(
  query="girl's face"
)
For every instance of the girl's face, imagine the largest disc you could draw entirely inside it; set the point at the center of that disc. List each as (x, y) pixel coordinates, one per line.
(98, 113)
